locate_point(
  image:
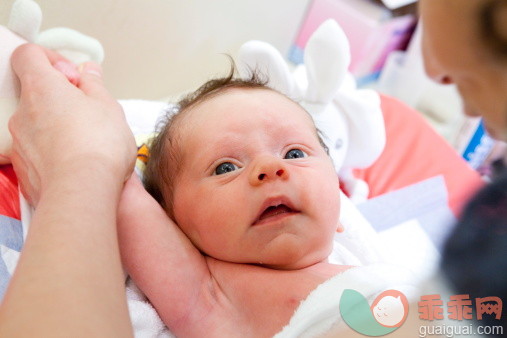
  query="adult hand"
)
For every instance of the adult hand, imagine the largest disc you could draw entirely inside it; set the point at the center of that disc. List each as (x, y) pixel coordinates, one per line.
(64, 125)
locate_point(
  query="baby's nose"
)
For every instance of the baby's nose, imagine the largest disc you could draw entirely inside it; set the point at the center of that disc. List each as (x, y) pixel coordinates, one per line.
(268, 168)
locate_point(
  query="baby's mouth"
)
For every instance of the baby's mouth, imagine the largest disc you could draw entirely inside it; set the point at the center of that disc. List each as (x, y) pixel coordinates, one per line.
(274, 212)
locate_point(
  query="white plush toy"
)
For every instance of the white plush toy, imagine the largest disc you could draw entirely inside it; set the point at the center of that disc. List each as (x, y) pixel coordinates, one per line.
(350, 119)
(24, 24)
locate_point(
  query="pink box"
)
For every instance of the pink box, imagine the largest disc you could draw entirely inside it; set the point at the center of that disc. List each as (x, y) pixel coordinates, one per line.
(373, 33)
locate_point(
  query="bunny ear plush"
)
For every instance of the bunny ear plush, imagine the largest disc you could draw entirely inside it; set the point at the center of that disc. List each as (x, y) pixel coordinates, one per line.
(327, 58)
(326, 62)
(25, 19)
(350, 119)
(365, 121)
(71, 44)
(264, 58)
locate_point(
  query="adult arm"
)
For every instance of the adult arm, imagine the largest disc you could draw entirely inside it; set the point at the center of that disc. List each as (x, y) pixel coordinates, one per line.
(72, 153)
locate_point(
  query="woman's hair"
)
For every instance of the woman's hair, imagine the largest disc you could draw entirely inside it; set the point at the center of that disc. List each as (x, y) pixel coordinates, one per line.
(474, 257)
(491, 17)
(164, 155)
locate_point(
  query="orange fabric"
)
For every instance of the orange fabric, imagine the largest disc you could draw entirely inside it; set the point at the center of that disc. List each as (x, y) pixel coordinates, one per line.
(9, 193)
(414, 152)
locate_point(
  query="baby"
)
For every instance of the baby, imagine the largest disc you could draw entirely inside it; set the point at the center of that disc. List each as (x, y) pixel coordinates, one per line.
(248, 203)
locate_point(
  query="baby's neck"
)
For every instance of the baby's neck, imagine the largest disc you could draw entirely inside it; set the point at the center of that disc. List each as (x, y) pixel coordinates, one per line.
(272, 294)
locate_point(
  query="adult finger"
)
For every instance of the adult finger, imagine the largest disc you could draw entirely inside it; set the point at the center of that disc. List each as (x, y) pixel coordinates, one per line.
(91, 82)
(69, 70)
(33, 60)
(35, 69)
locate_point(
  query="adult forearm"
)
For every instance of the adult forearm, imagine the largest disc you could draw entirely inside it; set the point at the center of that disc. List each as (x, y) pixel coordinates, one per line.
(69, 279)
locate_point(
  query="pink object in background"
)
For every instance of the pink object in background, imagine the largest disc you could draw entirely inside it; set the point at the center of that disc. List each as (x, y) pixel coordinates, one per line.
(372, 32)
(415, 152)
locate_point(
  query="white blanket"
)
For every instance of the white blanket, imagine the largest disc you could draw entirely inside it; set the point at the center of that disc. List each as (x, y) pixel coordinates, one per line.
(320, 311)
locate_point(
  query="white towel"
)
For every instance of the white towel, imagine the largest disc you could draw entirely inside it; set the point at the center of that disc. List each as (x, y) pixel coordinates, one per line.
(320, 311)
(145, 320)
(359, 243)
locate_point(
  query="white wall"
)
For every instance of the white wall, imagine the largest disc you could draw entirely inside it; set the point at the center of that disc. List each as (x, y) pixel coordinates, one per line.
(160, 48)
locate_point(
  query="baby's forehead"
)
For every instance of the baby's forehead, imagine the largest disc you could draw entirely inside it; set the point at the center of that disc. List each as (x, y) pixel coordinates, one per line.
(250, 104)
(237, 118)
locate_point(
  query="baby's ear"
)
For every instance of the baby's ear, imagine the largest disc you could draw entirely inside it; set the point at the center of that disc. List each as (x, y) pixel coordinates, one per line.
(340, 227)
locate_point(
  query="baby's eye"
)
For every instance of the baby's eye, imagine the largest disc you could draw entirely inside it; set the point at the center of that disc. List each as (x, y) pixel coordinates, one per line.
(295, 153)
(224, 168)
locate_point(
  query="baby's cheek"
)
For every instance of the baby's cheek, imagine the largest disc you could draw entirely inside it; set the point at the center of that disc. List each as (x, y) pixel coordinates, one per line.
(183, 210)
(333, 204)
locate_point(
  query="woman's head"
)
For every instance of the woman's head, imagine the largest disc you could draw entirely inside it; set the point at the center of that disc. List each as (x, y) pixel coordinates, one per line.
(465, 42)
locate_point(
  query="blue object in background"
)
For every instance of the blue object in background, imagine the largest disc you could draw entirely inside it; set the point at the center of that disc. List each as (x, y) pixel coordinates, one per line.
(11, 237)
(479, 147)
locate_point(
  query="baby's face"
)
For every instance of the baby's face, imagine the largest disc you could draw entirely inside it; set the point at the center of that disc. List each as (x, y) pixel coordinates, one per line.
(255, 185)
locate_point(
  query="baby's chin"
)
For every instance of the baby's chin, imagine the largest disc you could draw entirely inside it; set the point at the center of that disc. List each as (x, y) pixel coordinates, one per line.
(281, 262)
(298, 261)
(295, 265)
(284, 253)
